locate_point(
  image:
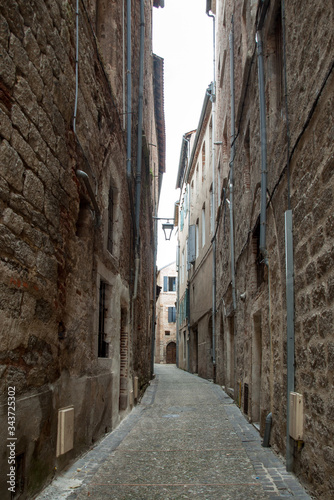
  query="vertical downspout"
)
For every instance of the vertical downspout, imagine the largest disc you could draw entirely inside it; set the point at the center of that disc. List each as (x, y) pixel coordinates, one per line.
(76, 67)
(290, 331)
(123, 64)
(263, 136)
(155, 232)
(128, 90)
(178, 303)
(289, 269)
(231, 186)
(140, 141)
(213, 112)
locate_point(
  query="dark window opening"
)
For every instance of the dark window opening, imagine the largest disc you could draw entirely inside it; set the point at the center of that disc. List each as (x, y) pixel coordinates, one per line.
(167, 332)
(246, 399)
(259, 261)
(103, 346)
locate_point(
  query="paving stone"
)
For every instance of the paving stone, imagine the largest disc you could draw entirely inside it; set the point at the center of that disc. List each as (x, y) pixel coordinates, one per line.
(184, 440)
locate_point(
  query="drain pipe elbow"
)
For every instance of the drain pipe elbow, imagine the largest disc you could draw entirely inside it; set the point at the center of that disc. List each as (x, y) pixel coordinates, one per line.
(82, 175)
(263, 140)
(267, 431)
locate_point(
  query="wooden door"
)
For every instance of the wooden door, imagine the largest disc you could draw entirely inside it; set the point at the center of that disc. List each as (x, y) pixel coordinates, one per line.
(171, 353)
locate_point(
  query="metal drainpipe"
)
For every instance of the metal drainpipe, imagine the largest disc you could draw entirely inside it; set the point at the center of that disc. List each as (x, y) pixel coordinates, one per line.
(231, 186)
(129, 90)
(289, 268)
(213, 112)
(140, 141)
(76, 67)
(263, 135)
(123, 64)
(155, 232)
(178, 304)
(290, 331)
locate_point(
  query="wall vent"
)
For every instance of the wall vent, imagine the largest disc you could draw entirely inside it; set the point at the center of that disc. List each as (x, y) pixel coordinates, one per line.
(296, 417)
(65, 430)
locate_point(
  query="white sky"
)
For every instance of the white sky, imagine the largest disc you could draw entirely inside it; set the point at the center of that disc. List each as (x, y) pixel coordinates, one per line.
(183, 36)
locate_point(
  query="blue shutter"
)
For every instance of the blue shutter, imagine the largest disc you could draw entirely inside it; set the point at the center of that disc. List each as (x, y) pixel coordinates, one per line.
(165, 283)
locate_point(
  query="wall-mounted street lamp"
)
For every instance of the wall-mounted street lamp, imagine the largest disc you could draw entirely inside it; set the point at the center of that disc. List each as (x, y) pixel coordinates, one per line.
(167, 227)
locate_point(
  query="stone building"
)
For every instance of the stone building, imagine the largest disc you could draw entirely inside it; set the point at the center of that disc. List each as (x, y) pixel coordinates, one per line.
(195, 232)
(274, 300)
(165, 336)
(81, 104)
(273, 193)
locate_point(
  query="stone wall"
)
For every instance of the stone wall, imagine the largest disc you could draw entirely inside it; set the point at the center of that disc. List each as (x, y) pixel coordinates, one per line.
(253, 336)
(54, 244)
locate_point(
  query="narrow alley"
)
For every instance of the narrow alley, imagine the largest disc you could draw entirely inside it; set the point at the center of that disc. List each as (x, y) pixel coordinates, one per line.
(185, 440)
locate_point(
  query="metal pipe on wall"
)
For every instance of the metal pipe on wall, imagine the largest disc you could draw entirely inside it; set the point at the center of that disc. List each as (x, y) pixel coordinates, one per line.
(231, 186)
(128, 90)
(290, 307)
(140, 118)
(263, 138)
(213, 113)
(139, 145)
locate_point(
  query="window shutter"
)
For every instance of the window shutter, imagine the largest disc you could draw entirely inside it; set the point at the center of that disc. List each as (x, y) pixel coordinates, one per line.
(165, 283)
(169, 315)
(192, 244)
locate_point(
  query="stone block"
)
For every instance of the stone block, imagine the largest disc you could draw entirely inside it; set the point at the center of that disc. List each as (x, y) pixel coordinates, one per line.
(31, 47)
(4, 190)
(12, 166)
(35, 82)
(4, 32)
(51, 209)
(310, 327)
(46, 130)
(24, 254)
(325, 263)
(13, 221)
(28, 16)
(43, 310)
(13, 17)
(46, 266)
(18, 54)
(5, 125)
(319, 296)
(46, 73)
(20, 121)
(25, 97)
(19, 205)
(33, 190)
(37, 143)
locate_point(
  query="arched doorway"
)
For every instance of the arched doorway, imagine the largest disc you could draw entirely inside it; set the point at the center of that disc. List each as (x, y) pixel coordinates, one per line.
(171, 353)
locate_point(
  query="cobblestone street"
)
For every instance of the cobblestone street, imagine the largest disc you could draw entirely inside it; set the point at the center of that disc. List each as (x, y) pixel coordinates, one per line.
(185, 440)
